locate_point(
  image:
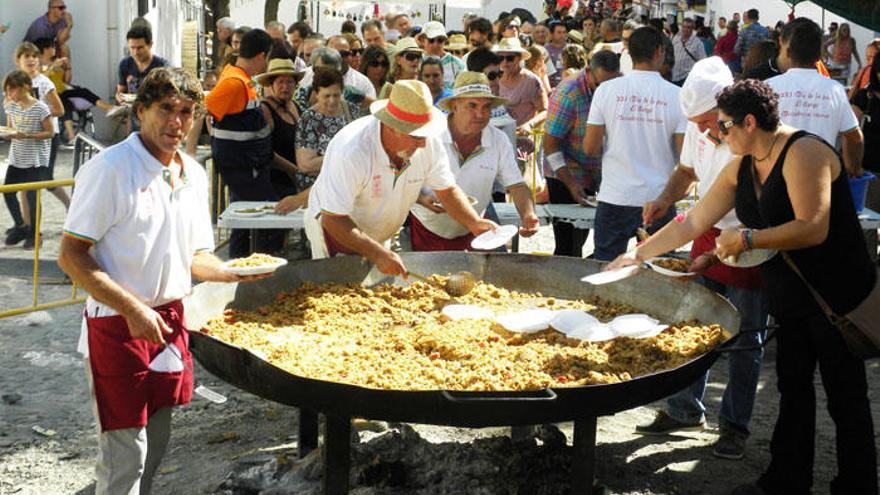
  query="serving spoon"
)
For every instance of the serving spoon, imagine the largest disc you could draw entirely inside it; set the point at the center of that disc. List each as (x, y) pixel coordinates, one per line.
(457, 284)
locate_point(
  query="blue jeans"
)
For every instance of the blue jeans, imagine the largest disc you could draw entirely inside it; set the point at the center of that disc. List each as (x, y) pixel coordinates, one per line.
(615, 225)
(744, 367)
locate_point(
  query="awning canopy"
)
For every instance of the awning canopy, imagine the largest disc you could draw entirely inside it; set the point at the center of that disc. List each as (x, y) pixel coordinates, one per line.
(861, 12)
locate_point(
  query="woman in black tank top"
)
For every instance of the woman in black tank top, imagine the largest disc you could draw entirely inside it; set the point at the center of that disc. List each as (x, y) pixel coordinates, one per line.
(278, 83)
(790, 190)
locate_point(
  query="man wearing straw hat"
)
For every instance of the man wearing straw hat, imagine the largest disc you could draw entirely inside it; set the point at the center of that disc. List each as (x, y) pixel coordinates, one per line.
(374, 170)
(479, 155)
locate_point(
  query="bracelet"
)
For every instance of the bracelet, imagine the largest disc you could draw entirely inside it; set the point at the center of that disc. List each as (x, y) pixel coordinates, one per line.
(747, 241)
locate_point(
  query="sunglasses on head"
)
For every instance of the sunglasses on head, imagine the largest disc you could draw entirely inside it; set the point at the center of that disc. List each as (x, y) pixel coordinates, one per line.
(378, 63)
(495, 74)
(509, 58)
(725, 125)
(412, 56)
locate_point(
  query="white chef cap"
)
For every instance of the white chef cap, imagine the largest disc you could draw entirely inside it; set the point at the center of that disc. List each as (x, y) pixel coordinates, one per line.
(707, 78)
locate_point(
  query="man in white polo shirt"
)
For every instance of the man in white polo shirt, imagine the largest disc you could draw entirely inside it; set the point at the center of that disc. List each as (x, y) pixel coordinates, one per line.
(137, 231)
(435, 36)
(374, 170)
(812, 102)
(479, 154)
(703, 157)
(636, 124)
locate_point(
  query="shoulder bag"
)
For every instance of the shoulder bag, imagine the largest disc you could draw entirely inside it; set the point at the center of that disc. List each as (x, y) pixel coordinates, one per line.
(860, 327)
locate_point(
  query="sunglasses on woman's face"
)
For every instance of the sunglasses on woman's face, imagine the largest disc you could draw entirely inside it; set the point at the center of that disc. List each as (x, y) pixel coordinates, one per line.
(509, 58)
(725, 125)
(356, 52)
(412, 56)
(495, 74)
(378, 63)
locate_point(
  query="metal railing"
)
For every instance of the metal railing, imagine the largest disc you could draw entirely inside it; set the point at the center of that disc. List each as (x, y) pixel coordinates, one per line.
(36, 218)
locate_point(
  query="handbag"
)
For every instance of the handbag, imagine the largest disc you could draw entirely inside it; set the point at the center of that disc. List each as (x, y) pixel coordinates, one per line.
(860, 327)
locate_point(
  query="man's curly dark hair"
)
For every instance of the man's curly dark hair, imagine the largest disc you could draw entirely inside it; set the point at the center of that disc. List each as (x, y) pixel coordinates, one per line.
(168, 81)
(751, 96)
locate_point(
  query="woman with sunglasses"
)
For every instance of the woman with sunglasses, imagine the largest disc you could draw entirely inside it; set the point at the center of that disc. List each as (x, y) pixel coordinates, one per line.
(406, 60)
(374, 65)
(356, 51)
(790, 190)
(526, 98)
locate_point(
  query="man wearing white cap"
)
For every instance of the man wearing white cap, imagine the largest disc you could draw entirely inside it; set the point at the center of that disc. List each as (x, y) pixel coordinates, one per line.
(479, 155)
(435, 34)
(704, 154)
(374, 170)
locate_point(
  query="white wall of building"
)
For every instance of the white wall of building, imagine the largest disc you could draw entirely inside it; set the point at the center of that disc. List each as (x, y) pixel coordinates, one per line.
(250, 12)
(773, 11)
(98, 40)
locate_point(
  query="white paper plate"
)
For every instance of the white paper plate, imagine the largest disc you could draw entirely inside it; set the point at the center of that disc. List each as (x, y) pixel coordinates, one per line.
(492, 240)
(599, 332)
(255, 270)
(249, 214)
(666, 271)
(568, 321)
(610, 275)
(637, 326)
(749, 259)
(529, 321)
(465, 311)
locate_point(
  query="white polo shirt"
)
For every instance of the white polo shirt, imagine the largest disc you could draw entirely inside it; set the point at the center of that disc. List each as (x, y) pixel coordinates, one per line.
(143, 234)
(492, 161)
(708, 160)
(812, 102)
(641, 113)
(357, 179)
(352, 78)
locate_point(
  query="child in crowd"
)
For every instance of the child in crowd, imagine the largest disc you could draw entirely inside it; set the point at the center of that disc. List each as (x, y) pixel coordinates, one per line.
(31, 133)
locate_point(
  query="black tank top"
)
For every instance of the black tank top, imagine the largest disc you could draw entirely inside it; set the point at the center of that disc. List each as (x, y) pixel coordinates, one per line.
(839, 268)
(283, 136)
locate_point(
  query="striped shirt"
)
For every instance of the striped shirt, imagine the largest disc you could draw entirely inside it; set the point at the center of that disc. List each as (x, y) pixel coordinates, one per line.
(28, 153)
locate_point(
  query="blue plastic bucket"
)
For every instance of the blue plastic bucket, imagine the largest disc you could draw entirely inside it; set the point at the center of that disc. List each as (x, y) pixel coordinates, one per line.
(859, 188)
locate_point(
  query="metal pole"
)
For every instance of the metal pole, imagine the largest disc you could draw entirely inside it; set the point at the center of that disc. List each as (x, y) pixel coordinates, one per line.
(583, 456)
(337, 454)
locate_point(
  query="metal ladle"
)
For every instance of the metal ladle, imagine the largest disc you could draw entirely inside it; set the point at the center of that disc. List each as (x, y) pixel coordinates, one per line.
(457, 284)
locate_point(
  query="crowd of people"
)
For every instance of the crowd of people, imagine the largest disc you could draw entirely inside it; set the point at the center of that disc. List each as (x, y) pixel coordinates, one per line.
(392, 125)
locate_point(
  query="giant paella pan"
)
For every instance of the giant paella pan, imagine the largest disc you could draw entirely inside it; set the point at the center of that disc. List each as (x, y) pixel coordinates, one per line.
(666, 299)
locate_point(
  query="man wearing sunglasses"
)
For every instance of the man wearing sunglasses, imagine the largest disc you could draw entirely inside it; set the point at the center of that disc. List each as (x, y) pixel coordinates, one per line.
(435, 34)
(55, 25)
(704, 155)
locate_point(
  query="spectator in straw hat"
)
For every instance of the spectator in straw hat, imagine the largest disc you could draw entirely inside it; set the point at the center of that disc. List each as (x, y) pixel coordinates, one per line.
(479, 155)
(374, 170)
(405, 61)
(457, 45)
(526, 98)
(435, 34)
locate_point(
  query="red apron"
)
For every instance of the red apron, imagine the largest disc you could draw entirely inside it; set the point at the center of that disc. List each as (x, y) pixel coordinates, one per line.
(126, 390)
(424, 240)
(744, 278)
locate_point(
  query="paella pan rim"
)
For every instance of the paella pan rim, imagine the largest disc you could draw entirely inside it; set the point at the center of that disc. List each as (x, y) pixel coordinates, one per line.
(249, 372)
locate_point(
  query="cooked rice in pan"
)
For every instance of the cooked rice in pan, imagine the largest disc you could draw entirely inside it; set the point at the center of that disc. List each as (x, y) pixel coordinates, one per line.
(393, 337)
